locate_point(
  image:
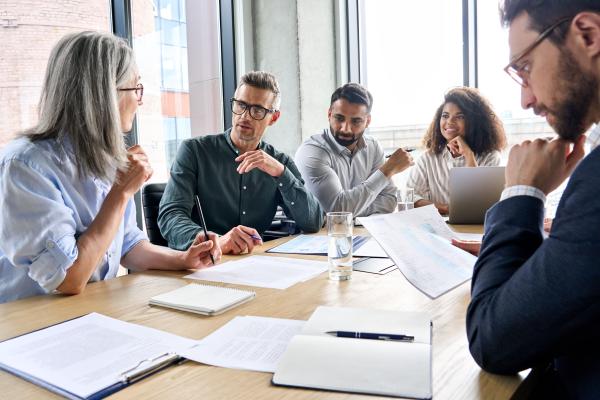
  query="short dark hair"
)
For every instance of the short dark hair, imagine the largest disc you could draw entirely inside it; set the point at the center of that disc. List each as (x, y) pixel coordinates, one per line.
(263, 80)
(484, 132)
(353, 93)
(544, 13)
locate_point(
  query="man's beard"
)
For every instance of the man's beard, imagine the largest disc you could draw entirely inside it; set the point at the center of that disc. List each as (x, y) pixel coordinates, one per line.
(345, 142)
(576, 94)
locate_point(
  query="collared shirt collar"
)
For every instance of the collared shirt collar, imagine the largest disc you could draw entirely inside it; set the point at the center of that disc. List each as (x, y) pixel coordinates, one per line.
(594, 137)
(360, 144)
(233, 147)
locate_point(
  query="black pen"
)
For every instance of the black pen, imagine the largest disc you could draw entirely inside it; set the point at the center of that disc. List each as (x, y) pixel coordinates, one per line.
(374, 336)
(203, 222)
(406, 149)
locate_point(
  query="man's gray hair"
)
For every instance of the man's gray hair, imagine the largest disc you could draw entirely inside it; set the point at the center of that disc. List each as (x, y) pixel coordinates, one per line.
(79, 104)
(263, 80)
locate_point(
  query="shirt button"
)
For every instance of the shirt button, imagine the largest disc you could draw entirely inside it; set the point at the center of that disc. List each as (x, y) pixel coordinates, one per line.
(244, 212)
(281, 184)
(50, 244)
(244, 187)
(292, 203)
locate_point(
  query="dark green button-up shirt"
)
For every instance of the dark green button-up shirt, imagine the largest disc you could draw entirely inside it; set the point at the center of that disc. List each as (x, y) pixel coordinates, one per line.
(206, 166)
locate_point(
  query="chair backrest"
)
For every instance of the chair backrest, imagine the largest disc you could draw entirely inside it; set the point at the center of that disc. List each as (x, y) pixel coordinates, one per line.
(151, 195)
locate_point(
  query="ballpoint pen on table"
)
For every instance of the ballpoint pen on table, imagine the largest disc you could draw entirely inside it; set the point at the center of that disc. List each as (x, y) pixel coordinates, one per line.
(371, 335)
(203, 222)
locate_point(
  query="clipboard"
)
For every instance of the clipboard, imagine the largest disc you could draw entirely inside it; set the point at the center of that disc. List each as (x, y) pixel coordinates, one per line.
(12, 355)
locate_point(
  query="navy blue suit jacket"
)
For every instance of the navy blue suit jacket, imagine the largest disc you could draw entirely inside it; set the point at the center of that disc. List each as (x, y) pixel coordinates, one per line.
(536, 301)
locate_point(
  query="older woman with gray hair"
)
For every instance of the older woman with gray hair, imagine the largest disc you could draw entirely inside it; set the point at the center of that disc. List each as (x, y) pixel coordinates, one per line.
(66, 185)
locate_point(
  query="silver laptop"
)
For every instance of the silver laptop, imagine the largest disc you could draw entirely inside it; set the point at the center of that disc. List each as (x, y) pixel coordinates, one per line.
(472, 192)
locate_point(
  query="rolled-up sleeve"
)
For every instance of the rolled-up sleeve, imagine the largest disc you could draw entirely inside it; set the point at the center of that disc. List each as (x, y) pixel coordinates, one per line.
(133, 234)
(38, 229)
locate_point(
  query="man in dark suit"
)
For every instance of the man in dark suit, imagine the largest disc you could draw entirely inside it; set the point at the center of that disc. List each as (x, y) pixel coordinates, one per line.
(535, 302)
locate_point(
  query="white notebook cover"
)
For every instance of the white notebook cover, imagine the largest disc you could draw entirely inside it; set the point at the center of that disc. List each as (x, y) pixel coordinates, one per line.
(314, 359)
(203, 299)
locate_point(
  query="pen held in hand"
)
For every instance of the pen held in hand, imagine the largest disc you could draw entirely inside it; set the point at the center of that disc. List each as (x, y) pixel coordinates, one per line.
(203, 222)
(406, 149)
(373, 336)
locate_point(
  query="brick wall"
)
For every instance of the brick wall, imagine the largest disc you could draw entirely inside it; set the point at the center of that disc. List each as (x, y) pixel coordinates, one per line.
(28, 31)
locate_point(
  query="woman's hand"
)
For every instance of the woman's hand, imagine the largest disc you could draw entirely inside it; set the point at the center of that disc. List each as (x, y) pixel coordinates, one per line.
(198, 254)
(137, 173)
(458, 146)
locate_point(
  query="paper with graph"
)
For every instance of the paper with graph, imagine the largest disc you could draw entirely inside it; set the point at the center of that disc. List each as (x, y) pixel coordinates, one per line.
(418, 241)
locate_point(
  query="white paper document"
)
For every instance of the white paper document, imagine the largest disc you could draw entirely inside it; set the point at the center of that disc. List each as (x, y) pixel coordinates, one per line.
(251, 343)
(370, 249)
(86, 355)
(262, 271)
(418, 241)
(313, 244)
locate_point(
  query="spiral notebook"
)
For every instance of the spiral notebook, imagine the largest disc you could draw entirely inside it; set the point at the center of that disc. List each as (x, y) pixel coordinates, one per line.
(203, 299)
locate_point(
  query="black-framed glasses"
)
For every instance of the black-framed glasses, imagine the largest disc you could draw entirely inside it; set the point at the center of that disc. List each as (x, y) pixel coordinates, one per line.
(139, 91)
(520, 74)
(257, 112)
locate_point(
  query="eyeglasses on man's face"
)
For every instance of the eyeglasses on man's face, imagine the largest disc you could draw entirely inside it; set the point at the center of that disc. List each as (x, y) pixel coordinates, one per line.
(520, 72)
(257, 112)
(139, 91)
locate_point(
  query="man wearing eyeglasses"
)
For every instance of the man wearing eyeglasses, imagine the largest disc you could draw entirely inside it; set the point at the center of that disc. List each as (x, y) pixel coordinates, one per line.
(535, 302)
(239, 179)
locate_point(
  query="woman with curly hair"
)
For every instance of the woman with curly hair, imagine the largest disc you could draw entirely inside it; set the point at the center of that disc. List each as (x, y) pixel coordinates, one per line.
(465, 132)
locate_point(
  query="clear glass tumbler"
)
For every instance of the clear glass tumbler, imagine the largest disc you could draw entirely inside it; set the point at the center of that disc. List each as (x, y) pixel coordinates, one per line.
(406, 199)
(339, 255)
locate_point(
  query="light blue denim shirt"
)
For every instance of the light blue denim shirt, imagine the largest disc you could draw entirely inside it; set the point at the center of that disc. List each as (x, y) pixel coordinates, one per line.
(44, 208)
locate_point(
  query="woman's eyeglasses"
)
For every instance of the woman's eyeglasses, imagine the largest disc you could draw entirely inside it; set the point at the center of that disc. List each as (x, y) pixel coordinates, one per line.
(139, 91)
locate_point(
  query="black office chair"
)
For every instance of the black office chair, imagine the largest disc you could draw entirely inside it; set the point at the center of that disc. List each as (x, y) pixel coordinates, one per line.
(151, 195)
(281, 226)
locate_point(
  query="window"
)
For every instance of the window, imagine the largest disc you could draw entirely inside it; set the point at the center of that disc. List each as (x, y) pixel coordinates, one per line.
(180, 68)
(28, 32)
(412, 53)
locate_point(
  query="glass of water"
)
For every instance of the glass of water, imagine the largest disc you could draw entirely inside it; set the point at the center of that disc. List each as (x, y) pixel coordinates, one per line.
(406, 199)
(339, 254)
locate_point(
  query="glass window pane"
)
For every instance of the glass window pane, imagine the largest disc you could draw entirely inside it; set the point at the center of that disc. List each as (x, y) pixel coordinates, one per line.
(39, 24)
(169, 9)
(174, 101)
(397, 69)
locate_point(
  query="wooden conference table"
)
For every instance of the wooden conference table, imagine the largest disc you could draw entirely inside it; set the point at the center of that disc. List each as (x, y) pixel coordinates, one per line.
(455, 374)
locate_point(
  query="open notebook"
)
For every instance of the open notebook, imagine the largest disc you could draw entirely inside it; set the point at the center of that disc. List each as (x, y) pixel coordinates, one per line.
(314, 359)
(203, 299)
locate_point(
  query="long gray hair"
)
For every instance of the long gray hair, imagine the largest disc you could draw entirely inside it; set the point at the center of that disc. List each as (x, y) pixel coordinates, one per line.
(79, 103)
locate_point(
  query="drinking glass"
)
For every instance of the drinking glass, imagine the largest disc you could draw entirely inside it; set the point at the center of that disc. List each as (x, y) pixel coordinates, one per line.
(339, 254)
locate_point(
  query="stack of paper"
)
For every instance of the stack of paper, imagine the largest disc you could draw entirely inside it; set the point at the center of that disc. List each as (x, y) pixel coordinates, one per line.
(252, 343)
(419, 242)
(262, 271)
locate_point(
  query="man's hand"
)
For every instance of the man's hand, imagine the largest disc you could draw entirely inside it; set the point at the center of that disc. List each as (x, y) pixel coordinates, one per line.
(198, 254)
(397, 162)
(469, 246)
(543, 164)
(239, 239)
(261, 160)
(458, 146)
(137, 173)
